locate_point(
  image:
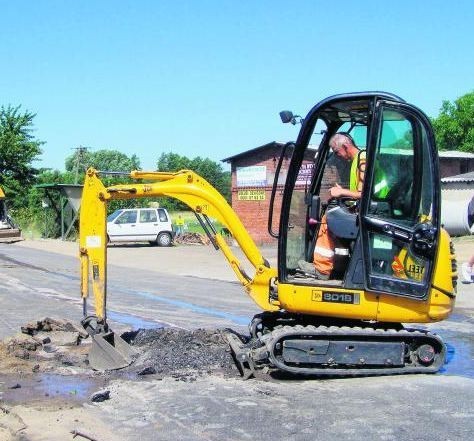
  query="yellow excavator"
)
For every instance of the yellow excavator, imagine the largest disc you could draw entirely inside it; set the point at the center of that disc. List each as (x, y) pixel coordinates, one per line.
(9, 232)
(394, 264)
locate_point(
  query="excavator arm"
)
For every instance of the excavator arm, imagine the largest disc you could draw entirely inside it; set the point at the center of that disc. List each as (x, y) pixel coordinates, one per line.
(195, 192)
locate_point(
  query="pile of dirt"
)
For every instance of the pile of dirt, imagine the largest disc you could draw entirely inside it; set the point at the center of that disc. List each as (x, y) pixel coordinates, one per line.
(181, 353)
(192, 239)
(45, 345)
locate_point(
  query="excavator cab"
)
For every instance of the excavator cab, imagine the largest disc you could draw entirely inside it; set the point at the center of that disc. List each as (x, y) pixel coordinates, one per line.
(386, 242)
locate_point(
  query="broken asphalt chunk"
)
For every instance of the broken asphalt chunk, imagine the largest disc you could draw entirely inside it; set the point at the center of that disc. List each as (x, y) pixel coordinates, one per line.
(100, 396)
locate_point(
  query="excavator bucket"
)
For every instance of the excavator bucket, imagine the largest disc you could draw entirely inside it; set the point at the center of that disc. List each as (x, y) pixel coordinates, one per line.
(109, 352)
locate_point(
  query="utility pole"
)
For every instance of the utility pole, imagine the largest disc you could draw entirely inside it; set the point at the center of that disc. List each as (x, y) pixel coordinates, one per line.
(79, 161)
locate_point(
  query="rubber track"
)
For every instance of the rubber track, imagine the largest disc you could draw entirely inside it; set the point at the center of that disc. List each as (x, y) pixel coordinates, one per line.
(377, 334)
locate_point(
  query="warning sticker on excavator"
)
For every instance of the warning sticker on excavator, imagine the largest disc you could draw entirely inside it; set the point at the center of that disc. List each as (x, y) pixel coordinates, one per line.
(93, 241)
(406, 266)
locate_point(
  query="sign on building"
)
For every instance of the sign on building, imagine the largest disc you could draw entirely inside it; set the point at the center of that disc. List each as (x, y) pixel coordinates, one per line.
(251, 195)
(253, 176)
(305, 173)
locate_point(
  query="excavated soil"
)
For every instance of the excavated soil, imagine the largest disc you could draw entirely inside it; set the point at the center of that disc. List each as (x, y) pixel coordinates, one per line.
(163, 352)
(180, 353)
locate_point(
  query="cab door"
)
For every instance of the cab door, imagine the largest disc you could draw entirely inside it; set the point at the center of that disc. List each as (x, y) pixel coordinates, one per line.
(400, 205)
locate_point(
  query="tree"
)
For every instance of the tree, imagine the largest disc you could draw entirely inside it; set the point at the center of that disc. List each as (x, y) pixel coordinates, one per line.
(18, 150)
(454, 127)
(110, 160)
(208, 169)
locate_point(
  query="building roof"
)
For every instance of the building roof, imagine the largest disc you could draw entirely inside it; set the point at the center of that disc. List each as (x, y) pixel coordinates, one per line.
(465, 177)
(455, 154)
(253, 151)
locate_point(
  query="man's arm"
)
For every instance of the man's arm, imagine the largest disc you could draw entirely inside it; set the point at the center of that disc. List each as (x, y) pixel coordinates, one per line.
(337, 192)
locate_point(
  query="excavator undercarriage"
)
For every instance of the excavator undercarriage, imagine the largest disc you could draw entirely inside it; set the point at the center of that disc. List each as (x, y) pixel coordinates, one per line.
(308, 346)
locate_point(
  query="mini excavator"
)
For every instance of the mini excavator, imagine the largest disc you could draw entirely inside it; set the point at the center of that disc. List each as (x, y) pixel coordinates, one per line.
(395, 265)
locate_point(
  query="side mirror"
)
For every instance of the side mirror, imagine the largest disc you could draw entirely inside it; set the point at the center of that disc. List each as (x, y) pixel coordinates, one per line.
(286, 116)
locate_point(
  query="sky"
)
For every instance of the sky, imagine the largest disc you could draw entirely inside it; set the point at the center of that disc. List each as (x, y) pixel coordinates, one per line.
(209, 77)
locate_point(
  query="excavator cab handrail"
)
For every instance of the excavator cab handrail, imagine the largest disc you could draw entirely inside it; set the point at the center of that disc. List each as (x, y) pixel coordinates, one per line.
(274, 189)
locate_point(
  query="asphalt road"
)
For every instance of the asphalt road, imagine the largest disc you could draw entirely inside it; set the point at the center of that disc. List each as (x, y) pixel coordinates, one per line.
(187, 287)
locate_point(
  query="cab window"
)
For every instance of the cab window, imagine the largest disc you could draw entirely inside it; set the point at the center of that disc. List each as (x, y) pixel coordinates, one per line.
(297, 236)
(402, 194)
(394, 170)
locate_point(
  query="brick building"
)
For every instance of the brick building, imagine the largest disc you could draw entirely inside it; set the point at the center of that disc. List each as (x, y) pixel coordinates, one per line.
(454, 162)
(253, 173)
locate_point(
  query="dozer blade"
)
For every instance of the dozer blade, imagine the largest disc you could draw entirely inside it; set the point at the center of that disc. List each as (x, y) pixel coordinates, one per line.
(110, 352)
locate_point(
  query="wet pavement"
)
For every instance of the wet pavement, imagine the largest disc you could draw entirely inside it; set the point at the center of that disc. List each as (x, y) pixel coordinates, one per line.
(70, 389)
(460, 346)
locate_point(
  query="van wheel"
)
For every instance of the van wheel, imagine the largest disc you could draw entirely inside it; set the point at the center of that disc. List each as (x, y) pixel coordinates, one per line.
(163, 240)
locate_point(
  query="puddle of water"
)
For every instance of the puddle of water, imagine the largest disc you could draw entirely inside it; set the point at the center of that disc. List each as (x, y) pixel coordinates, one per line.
(460, 354)
(460, 348)
(60, 385)
(459, 318)
(47, 386)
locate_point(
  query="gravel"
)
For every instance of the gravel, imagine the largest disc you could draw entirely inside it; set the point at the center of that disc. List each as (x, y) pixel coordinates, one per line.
(182, 354)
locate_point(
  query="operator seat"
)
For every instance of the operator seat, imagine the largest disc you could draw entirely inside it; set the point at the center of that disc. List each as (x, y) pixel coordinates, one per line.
(342, 221)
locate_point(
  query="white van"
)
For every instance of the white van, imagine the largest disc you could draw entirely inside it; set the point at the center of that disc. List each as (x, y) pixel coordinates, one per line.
(140, 225)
